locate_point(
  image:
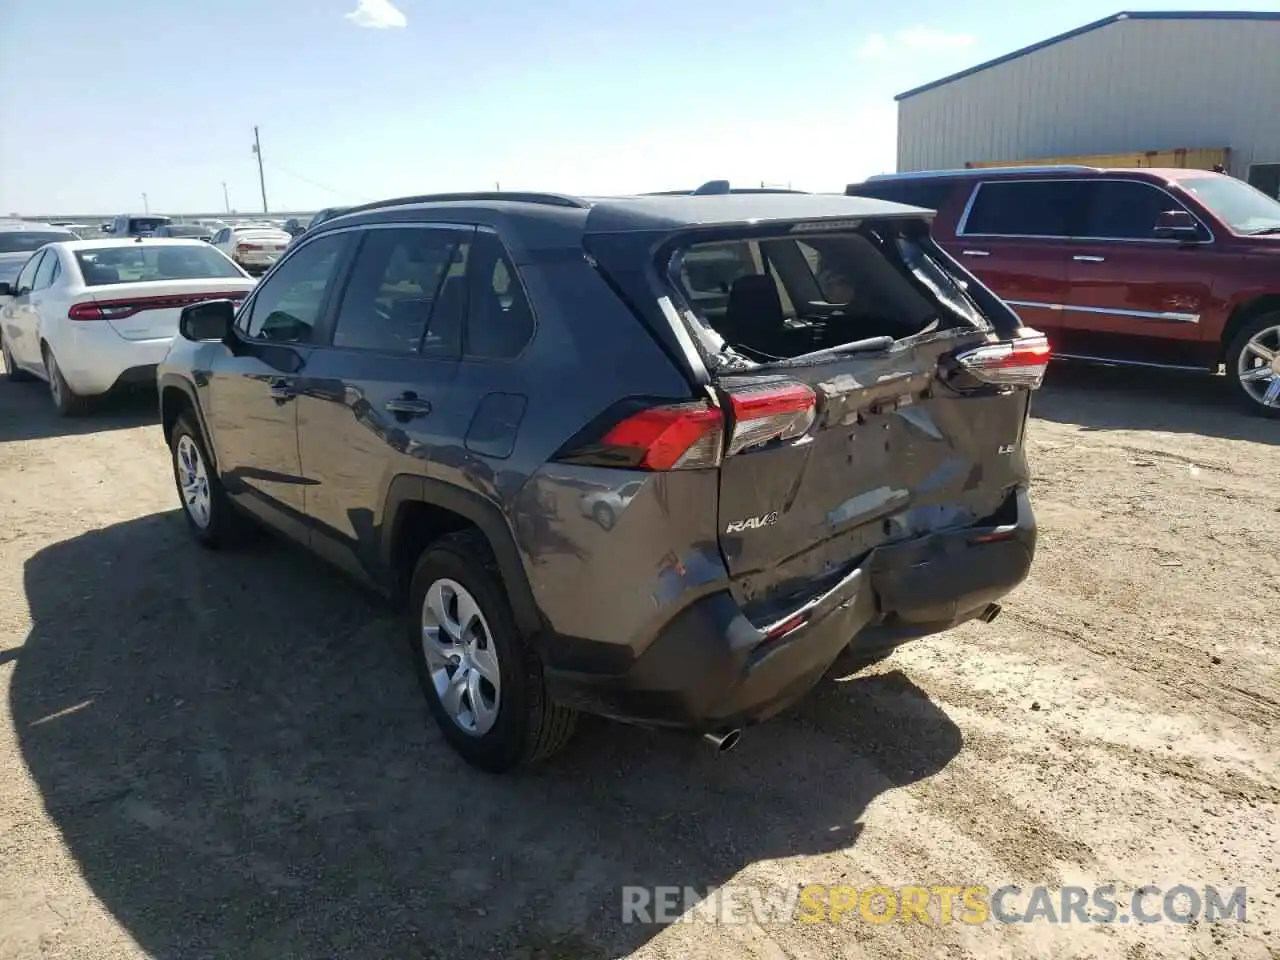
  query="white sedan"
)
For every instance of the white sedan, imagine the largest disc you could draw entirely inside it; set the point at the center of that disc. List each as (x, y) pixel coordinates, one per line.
(256, 247)
(90, 315)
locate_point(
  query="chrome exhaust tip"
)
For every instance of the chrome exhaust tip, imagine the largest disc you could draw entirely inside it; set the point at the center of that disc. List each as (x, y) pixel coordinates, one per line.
(990, 613)
(723, 742)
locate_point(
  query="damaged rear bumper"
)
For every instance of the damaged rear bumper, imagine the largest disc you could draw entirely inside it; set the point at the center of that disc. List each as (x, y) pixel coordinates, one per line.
(712, 669)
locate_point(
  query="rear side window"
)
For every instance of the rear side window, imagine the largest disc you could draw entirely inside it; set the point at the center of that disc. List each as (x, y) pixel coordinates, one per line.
(1125, 209)
(1023, 208)
(499, 318)
(392, 289)
(287, 304)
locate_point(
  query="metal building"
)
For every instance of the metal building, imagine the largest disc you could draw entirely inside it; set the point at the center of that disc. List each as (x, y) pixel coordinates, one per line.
(1127, 84)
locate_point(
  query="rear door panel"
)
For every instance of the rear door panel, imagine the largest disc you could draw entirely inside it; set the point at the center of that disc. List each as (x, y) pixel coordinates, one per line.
(894, 453)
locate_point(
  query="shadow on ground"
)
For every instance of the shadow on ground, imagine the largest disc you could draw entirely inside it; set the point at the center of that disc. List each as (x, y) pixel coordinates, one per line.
(27, 413)
(238, 757)
(1135, 398)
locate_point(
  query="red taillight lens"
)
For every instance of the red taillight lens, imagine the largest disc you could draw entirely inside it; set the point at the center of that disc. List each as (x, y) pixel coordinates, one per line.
(119, 309)
(673, 437)
(1010, 363)
(768, 412)
(248, 246)
(85, 311)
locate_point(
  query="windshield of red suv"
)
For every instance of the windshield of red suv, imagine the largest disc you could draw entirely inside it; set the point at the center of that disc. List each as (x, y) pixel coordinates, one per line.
(1241, 207)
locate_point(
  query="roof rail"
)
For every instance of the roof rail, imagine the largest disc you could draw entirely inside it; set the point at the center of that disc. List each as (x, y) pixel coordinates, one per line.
(984, 171)
(508, 196)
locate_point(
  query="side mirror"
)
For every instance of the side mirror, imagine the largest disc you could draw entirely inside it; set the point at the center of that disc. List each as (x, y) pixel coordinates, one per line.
(1177, 225)
(207, 322)
(6, 289)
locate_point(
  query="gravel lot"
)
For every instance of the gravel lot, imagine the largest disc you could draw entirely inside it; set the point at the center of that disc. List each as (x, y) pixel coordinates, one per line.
(227, 755)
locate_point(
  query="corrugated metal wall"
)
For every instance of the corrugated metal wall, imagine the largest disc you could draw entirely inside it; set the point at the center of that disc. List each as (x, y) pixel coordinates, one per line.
(1128, 86)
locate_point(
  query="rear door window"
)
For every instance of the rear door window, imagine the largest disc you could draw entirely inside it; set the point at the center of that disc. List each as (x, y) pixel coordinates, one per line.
(1124, 209)
(1024, 208)
(394, 284)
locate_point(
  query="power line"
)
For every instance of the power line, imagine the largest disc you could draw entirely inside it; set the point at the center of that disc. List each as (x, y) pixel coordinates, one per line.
(345, 194)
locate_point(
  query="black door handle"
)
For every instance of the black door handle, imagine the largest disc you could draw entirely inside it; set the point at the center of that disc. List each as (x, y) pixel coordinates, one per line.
(283, 390)
(408, 406)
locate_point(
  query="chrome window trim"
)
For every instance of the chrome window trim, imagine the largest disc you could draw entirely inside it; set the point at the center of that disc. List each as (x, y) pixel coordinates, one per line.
(973, 196)
(1163, 316)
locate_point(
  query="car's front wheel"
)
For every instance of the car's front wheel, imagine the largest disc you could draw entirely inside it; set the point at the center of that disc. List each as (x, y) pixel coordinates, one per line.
(1253, 364)
(209, 515)
(483, 685)
(11, 368)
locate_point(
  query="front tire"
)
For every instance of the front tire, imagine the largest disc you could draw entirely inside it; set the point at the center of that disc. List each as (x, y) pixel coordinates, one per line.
(209, 514)
(67, 401)
(11, 368)
(1253, 365)
(483, 685)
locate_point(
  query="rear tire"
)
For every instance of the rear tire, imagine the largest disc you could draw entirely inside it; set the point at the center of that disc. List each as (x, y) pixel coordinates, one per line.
(11, 369)
(210, 517)
(1255, 379)
(67, 401)
(515, 724)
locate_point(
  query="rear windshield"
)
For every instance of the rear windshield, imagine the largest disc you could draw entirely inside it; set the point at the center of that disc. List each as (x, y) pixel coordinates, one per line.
(776, 298)
(143, 224)
(102, 266)
(184, 230)
(24, 241)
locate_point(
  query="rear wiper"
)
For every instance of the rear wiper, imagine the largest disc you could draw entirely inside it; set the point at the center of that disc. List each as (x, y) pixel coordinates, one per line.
(869, 345)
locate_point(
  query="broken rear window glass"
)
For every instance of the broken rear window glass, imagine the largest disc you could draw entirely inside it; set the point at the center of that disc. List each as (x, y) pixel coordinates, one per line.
(775, 298)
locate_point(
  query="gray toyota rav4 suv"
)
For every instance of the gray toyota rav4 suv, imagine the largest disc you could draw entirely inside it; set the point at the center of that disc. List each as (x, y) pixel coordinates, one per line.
(660, 458)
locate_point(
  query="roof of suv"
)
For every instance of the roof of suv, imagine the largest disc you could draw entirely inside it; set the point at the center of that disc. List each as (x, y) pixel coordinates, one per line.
(547, 220)
(1161, 174)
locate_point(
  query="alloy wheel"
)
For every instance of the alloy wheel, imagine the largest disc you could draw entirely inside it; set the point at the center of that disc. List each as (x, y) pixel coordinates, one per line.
(193, 478)
(1258, 367)
(461, 657)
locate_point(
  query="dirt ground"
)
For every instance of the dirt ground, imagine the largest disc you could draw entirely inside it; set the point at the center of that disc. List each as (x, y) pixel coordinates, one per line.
(227, 755)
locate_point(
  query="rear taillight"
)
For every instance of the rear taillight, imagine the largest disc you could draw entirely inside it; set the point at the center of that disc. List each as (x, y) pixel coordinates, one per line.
(671, 437)
(686, 436)
(248, 246)
(1010, 363)
(762, 414)
(119, 309)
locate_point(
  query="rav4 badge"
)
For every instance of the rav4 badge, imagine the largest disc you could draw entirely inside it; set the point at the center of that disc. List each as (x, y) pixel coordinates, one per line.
(752, 523)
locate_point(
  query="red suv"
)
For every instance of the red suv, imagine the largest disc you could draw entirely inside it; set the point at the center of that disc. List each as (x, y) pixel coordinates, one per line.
(1167, 268)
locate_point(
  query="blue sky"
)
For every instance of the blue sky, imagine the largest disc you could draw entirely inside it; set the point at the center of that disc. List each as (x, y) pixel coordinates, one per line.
(362, 99)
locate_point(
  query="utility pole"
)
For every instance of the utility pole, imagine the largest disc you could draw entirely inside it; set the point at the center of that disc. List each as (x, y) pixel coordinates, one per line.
(262, 180)
(145, 207)
(226, 201)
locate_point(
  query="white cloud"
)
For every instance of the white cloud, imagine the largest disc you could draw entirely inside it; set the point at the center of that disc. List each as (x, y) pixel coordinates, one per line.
(874, 46)
(378, 14)
(913, 39)
(926, 38)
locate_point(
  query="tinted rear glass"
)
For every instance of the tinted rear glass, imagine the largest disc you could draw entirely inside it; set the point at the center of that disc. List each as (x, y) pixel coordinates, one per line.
(102, 266)
(24, 241)
(184, 230)
(143, 224)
